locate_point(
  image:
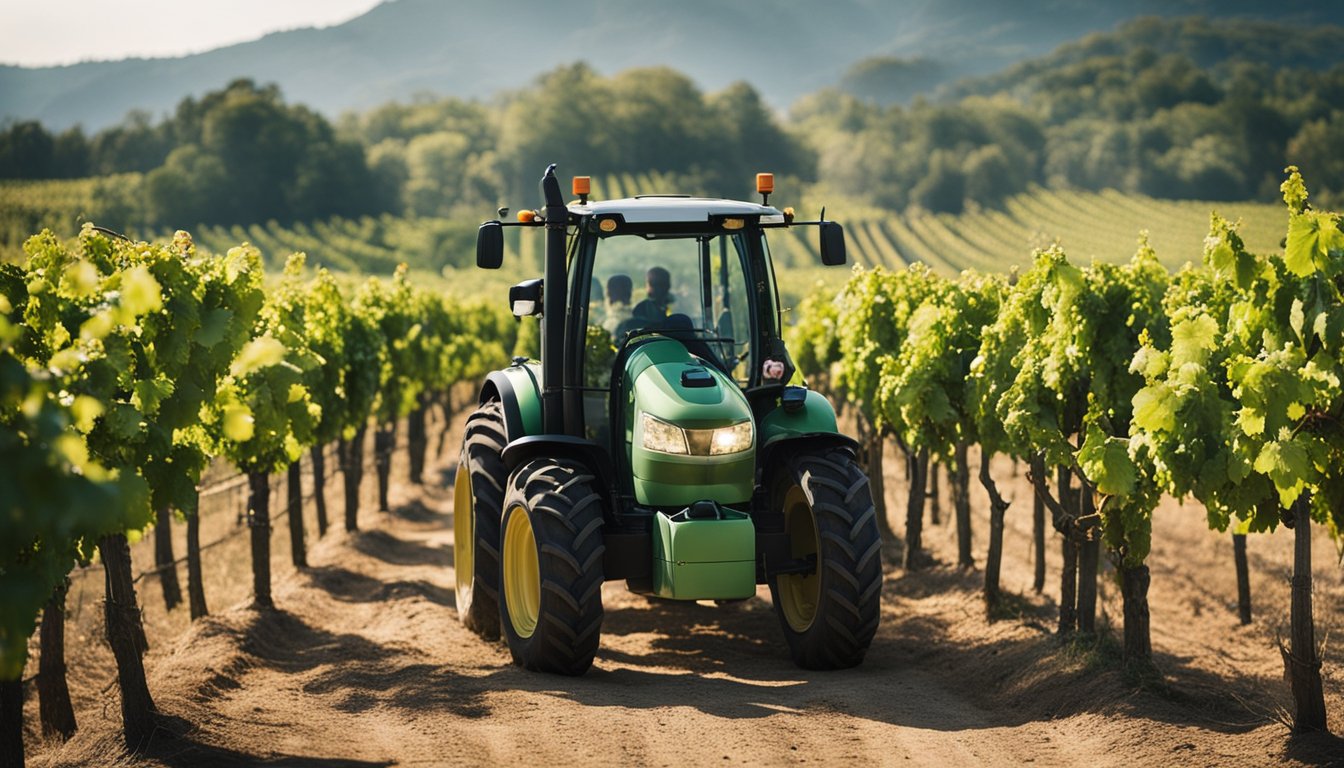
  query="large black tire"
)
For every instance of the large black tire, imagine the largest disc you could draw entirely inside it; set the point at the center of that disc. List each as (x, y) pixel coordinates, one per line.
(829, 616)
(551, 571)
(477, 506)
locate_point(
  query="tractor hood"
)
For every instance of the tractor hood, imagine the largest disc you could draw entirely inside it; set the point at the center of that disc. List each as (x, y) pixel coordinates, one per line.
(689, 429)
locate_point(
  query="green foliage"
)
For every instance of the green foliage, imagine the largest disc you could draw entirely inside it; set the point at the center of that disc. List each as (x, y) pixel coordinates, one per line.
(813, 338)
(150, 356)
(54, 500)
(1073, 383)
(1176, 108)
(891, 80)
(1286, 379)
(274, 162)
(391, 308)
(1241, 410)
(652, 119)
(527, 341)
(874, 312)
(927, 387)
(56, 495)
(125, 367)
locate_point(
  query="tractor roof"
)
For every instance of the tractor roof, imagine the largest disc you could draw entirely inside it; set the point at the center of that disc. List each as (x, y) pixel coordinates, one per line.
(653, 209)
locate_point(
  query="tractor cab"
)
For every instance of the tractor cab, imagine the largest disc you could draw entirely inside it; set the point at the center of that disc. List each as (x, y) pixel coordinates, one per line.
(658, 440)
(681, 271)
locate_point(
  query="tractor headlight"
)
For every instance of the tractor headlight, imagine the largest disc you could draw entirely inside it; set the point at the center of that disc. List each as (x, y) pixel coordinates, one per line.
(734, 439)
(663, 437)
(669, 438)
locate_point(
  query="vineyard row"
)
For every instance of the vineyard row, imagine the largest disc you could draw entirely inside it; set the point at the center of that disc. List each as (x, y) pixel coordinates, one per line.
(1116, 384)
(126, 369)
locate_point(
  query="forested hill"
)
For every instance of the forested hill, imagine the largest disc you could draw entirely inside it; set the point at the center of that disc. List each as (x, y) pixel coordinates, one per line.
(785, 48)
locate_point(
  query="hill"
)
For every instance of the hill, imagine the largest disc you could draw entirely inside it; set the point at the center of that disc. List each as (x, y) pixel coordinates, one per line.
(406, 47)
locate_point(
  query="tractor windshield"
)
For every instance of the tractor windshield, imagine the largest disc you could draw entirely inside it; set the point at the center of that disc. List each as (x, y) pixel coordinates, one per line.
(691, 287)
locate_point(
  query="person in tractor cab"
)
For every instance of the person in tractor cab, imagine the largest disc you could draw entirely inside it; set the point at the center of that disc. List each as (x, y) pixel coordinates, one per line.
(651, 312)
(618, 309)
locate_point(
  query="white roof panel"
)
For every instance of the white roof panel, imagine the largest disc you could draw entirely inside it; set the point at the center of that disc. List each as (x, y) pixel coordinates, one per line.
(655, 209)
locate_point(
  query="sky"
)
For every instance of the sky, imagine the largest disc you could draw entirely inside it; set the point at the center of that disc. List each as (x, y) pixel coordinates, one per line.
(39, 33)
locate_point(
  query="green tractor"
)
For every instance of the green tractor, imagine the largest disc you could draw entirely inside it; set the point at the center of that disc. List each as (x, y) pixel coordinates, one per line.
(658, 439)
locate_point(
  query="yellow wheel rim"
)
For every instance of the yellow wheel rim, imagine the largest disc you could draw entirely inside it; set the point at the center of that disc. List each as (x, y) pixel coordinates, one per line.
(799, 593)
(522, 573)
(464, 534)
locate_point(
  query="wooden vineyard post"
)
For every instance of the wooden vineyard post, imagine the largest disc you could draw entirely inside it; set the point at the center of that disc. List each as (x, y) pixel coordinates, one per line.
(294, 508)
(914, 513)
(875, 447)
(1301, 659)
(935, 495)
(163, 558)
(960, 479)
(11, 723)
(1089, 559)
(352, 471)
(384, 441)
(1038, 528)
(125, 634)
(1243, 577)
(195, 588)
(259, 523)
(417, 435)
(1068, 588)
(54, 708)
(319, 458)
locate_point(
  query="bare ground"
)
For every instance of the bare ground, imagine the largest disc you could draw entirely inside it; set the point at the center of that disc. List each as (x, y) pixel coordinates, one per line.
(365, 663)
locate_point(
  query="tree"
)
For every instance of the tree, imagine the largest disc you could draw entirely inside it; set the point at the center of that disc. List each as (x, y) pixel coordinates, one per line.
(1311, 149)
(26, 151)
(943, 188)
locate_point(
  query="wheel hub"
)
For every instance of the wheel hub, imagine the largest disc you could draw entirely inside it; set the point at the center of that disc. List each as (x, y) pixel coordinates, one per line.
(522, 573)
(464, 534)
(799, 593)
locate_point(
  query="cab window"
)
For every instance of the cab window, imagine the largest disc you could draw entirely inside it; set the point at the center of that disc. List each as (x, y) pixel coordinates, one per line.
(692, 288)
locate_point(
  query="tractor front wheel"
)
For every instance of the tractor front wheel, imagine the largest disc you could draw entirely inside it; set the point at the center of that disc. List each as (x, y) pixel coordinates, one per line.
(551, 567)
(478, 500)
(830, 612)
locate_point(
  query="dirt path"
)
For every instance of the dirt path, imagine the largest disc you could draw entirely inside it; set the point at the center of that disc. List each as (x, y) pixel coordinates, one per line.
(366, 664)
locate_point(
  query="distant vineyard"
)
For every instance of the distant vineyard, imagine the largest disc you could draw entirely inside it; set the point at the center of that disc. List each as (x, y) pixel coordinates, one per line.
(367, 244)
(1102, 225)
(61, 205)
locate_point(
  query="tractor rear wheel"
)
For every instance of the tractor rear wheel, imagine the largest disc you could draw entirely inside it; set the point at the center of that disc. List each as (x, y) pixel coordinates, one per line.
(551, 569)
(478, 501)
(830, 613)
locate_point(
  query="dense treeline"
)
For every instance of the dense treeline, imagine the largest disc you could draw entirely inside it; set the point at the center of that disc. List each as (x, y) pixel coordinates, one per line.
(236, 155)
(1187, 108)
(241, 155)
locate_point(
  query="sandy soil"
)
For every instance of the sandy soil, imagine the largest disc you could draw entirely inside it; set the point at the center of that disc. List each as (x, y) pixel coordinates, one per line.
(365, 664)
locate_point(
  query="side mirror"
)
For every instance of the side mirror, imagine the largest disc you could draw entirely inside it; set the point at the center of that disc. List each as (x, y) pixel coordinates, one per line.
(490, 245)
(525, 298)
(832, 244)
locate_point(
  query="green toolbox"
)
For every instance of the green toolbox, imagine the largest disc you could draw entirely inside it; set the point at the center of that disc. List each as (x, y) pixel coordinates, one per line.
(704, 552)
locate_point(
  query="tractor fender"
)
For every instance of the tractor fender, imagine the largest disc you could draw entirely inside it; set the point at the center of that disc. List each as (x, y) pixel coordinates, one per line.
(812, 425)
(518, 388)
(586, 452)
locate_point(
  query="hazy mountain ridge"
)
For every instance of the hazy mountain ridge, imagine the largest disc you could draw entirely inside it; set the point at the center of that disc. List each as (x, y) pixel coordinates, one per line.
(785, 48)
